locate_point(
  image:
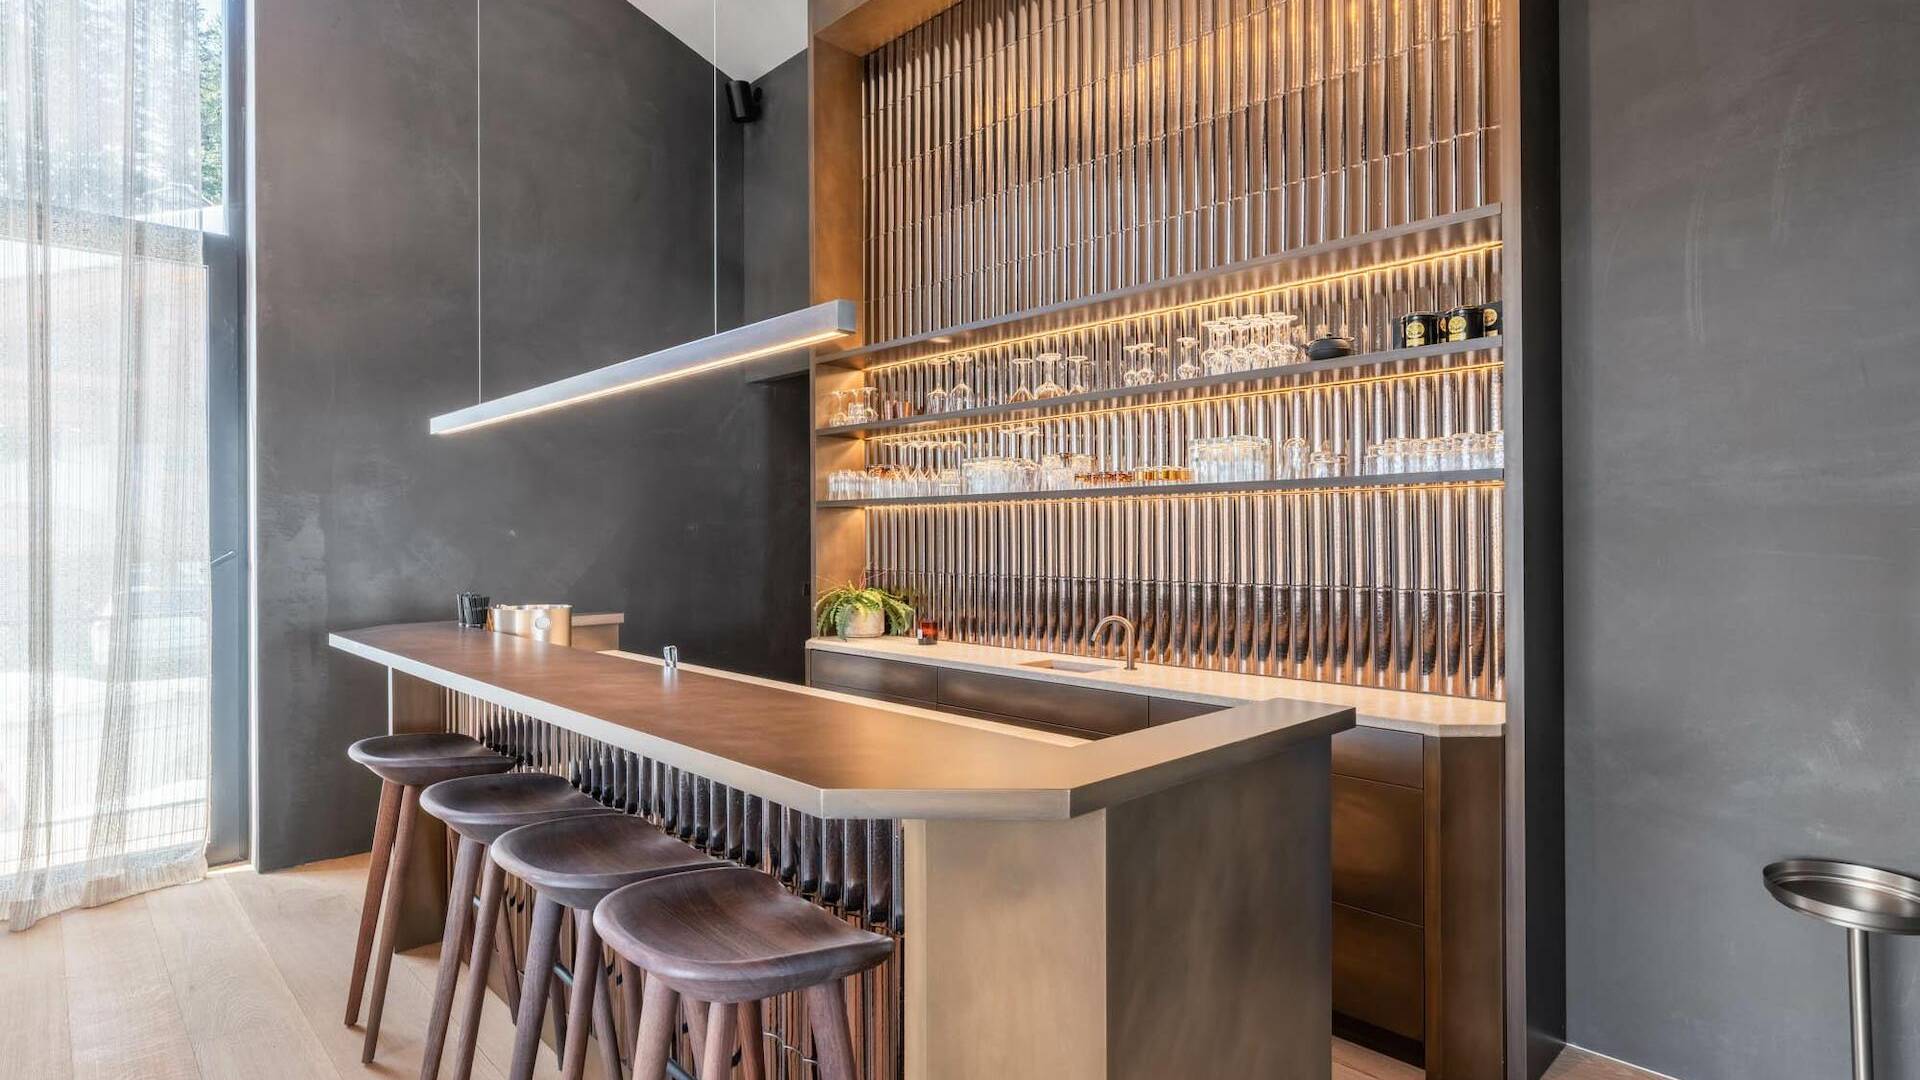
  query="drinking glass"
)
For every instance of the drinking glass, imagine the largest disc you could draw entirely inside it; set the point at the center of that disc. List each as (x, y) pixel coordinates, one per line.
(1079, 371)
(868, 409)
(961, 395)
(1257, 328)
(1162, 365)
(1283, 346)
(1189, 359)
(1433, 453)
(937, 393)
(1293, 458)
(1023, 371)
(1049, 382)
(837, 403)
(1218, 359)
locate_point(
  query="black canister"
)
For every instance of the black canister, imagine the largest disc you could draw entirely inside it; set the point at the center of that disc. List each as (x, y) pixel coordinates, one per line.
(1490, 319)
(471, 609)
(1420, 328)
(1461, 324)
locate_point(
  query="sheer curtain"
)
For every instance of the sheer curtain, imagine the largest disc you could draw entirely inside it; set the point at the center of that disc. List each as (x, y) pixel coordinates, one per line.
(104, 598)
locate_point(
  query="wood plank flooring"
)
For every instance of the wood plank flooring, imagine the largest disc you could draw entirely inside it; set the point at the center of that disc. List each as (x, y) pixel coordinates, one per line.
(244, 975)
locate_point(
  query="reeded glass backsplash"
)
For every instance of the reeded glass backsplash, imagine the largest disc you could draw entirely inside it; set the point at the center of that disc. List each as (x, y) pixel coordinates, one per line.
(1020, 153)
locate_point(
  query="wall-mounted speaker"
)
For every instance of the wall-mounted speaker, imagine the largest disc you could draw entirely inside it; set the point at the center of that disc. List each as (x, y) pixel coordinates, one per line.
(743, 101)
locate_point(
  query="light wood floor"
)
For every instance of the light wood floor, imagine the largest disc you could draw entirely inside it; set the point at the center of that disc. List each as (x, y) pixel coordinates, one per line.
(243, 975)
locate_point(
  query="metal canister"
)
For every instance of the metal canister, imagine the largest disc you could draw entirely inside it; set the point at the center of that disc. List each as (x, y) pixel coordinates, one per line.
(1462, 323)
(551, 623)
(1417, 329)
(1490, 319)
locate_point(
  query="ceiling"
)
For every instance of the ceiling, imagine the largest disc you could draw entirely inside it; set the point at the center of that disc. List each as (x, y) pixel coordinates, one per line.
(754, 36)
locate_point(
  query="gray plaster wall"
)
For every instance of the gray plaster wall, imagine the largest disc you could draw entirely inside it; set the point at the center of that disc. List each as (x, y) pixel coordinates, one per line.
(1741, 222)
(676, 505)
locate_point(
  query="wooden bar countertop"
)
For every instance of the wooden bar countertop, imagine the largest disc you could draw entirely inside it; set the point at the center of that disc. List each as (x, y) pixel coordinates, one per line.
(822, 753)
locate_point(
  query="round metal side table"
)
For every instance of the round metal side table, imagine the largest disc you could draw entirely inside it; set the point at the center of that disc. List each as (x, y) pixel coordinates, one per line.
(1862, 899)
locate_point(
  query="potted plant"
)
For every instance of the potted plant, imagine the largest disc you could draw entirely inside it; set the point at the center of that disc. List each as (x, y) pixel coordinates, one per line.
(851, 611)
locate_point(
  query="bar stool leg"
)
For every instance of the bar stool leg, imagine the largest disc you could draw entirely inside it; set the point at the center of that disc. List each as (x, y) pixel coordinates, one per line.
(542, 940)
(390, 924)
(604, 1028)
(717, 1060)
(376, 884)
(466, 867)
(1861, 999)
(753, 1060)
(630, 985)
(586, 961)
(486, 926)
(659, 1016)
(696, 1025)
(506, 954)
(832, 1038)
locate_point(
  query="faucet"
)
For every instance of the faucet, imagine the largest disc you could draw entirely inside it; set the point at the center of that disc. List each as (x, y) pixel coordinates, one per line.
(1129, 642)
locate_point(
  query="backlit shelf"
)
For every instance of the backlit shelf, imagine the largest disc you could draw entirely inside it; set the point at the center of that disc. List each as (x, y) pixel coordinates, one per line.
(1425, 359)
(1448, 478)
(1429, 239)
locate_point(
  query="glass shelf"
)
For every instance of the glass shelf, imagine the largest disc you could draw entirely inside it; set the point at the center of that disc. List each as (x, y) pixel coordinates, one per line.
(1449, 478)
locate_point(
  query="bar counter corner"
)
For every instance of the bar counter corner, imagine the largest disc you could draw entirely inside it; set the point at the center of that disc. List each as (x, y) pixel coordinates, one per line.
(1153, 904)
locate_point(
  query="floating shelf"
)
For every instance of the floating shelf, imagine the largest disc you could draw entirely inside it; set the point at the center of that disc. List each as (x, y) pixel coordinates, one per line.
(1425, 358)
(1337, 483)
(1432, 237)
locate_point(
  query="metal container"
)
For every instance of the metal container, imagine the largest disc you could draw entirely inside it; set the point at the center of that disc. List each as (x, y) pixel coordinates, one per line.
(551, 623)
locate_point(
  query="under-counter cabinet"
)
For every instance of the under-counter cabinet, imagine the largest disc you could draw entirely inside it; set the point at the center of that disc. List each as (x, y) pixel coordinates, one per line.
(1416, 852)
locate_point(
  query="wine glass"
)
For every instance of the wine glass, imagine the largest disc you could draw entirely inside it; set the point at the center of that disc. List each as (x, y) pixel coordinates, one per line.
(1218, 359)
(961, 395)
(1049, 386)
(1140, 368)
(1189, 364)
(1079, 368)
(1282, 347)
(1023, 371)
(937, 393)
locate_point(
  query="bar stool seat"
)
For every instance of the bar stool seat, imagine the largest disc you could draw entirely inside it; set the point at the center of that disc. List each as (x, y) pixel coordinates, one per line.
(579, 860)
(726, 939)
(483, 807)
(733, 935)
(479, 809)
(575, 862)
(404, 764)
(426, 758)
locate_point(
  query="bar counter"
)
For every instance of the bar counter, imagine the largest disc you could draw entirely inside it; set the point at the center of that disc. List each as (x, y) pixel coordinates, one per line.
(1152, 904)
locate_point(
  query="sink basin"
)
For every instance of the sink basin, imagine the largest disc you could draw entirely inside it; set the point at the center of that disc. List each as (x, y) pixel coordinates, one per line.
(1067, 665)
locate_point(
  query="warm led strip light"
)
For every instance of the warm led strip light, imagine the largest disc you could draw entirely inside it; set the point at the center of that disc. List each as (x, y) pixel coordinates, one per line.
(899, 504)
(1174, 403)
(782, 333)
(1342, 275)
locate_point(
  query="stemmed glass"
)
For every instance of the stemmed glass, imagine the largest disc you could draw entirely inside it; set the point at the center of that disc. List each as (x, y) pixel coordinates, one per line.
(1189, 364)
(1282, 348)
(1218, 359)
(1078, 369)
(937, 394)
(961, 396)
(1139, 365)
(1023, 372)
(1049, 386)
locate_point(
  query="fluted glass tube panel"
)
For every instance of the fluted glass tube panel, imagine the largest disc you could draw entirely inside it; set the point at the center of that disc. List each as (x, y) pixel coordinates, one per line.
(1399, 588)
(1020, 153)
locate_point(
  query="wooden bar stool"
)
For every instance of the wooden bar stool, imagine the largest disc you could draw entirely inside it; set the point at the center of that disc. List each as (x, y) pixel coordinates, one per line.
(573, 863)
(729, 939)
(479, 809)
(404, 764)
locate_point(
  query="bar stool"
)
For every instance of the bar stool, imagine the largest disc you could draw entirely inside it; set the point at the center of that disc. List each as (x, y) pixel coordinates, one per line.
(573, 863)
(479, 809)
(404, 764)
(731, 938)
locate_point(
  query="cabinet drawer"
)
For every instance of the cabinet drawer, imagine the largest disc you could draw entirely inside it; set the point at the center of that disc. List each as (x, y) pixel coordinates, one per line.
(1166, 710)
(1378, 972)
(1104, 712)
(1378, 848)
(914, 683)
(1393, 757)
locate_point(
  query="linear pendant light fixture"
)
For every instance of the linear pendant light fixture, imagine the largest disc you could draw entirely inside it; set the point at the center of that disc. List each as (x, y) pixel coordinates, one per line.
(782, 333)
